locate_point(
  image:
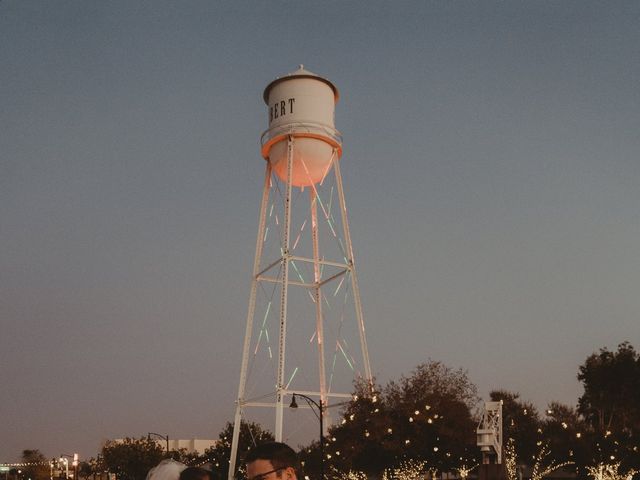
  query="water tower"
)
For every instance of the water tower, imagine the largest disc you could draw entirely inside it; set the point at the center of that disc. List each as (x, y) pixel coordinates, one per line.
(305, 329)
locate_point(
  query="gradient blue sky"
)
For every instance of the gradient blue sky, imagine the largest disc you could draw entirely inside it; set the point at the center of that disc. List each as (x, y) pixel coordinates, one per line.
(491, 165)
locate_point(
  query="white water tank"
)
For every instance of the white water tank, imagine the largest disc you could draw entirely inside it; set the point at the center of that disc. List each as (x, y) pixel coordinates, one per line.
(301, 104)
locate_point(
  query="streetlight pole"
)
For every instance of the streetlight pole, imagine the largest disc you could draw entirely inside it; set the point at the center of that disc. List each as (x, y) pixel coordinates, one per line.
(320, 407)
(74, 457)
(164, 437)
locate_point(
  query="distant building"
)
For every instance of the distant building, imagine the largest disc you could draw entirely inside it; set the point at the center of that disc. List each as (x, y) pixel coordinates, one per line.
(197, 445)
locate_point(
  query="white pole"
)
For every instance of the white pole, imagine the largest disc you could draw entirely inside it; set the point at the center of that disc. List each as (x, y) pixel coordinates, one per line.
(354, 279)
(318, 299)
(249, 328)
(280, 387)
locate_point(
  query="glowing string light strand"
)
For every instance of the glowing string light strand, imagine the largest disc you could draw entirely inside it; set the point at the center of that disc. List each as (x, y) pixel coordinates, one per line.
(295, 370)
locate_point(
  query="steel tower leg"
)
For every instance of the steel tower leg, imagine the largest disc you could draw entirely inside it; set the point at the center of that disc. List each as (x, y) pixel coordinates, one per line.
(286, 232)
(354, 278)
(318, 300)
(249, 328)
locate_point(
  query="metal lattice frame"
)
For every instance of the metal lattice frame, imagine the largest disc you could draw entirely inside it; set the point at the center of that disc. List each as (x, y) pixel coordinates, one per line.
(282, 279)
(490, 432)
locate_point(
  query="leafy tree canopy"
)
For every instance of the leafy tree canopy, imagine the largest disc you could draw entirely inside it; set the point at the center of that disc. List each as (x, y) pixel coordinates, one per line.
(251, 434)
(37, 465)
(520, 421)
(426, 416)
(611, 398)
(131, 458)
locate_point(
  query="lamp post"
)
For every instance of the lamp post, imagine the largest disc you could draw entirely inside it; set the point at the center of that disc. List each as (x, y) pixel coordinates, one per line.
(320, 407)
(74, 463)
(164, 437)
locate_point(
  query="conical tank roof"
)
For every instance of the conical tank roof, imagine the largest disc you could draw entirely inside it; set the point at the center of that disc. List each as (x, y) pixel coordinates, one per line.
(300, 73)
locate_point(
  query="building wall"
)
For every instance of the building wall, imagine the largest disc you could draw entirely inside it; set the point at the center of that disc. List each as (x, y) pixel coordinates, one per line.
(192, 445)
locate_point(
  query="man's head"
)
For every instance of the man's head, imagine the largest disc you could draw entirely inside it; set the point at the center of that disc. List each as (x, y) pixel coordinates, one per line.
(272, 460)
(195, 473)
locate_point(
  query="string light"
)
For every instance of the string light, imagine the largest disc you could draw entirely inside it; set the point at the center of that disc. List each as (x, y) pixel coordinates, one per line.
(609, 472)
(540, 463)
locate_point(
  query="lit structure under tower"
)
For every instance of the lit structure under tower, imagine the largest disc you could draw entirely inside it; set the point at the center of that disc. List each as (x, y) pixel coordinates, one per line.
(305, 330)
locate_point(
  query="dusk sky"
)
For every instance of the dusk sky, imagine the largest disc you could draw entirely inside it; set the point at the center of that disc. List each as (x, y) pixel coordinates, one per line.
(491, 167)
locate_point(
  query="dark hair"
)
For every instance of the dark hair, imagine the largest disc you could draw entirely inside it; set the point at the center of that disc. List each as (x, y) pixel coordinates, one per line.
(279, 454)
(195, 473)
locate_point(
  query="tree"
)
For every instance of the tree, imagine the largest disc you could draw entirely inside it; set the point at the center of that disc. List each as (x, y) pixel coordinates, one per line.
(520, 421)
(37, 466)
(183, 455)
(565, 431)
(362, 441)
(86, 469)
(611, 398)
(610, 405)
(251, 434)
(424, 417)
(438, 380)
(434, 410)
(131, 458)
